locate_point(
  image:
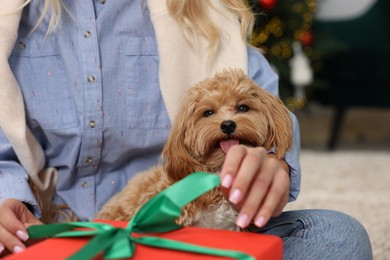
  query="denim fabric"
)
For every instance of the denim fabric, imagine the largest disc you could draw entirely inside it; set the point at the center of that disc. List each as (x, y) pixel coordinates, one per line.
(92, 98)
(319, 234)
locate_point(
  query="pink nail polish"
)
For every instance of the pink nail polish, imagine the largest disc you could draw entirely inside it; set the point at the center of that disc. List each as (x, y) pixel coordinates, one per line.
(1, 248)
(22, 235)
(235, 196)
(18, 249)
(242, 220)
(259, 221)
(227, 181)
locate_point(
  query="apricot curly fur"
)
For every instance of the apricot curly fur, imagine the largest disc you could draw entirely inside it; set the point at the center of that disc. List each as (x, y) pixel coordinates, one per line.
(193, 145)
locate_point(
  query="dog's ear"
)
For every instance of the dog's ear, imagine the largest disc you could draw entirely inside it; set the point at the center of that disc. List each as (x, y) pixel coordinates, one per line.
(177, 158)
(280, 123)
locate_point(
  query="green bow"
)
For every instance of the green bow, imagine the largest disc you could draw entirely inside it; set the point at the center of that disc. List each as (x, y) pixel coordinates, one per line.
(156, 216)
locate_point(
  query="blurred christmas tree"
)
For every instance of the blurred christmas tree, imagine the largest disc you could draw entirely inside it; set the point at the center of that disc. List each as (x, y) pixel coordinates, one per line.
(283, 31)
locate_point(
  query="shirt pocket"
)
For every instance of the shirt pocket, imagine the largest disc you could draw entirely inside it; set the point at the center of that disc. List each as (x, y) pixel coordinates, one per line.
(47, 91)
(145, 105)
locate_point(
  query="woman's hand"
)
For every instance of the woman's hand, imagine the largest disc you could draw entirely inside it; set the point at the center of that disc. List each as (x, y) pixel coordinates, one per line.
(256, 183)
(14, 219)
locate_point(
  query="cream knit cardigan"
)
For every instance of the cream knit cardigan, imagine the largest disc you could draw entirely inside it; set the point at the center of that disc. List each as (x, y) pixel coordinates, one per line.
(181, 66)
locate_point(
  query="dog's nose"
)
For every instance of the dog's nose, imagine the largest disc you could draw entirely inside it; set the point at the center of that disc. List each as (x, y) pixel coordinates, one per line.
(228, 126)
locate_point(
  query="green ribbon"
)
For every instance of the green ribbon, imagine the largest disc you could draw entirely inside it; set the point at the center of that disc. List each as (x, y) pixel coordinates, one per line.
(156, 216)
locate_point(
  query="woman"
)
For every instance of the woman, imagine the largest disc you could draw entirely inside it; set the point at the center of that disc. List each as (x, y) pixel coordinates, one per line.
(100, 81)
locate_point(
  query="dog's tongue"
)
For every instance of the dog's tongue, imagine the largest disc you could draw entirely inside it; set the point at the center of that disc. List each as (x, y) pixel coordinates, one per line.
(227, 144)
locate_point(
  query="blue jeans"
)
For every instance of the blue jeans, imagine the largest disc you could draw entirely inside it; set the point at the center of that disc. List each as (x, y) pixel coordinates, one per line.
(319, 234)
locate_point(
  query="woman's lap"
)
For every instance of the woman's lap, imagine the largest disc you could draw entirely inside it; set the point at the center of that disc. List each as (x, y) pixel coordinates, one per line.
(319, 234)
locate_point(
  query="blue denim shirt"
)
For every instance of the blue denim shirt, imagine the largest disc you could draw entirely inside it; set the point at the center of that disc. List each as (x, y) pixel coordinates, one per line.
(92, 97)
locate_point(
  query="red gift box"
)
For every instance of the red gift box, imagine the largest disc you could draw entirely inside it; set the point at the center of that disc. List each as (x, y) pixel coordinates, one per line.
(257, 245)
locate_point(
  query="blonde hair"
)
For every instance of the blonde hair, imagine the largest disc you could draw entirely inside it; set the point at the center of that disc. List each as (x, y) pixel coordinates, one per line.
(56, 7)
(192, 17)
(190, 14)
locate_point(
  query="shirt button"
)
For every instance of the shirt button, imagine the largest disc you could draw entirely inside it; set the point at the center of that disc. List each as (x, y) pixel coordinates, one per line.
(22, 45)
(103, 1)
(92, 124)
(84, 184)
(87, 34)
(91, 79)
(89, 160)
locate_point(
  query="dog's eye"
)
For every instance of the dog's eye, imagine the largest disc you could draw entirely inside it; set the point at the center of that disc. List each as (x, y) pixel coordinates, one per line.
(208, 113)
(243, 109)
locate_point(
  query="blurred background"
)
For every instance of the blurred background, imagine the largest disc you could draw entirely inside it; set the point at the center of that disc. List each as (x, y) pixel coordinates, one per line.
(332, 57)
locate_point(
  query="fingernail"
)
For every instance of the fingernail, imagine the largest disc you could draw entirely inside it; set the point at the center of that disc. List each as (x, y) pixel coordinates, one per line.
(18, 249)
(235, 196)
(242, 220)
(259, 221)
(1, 248)
(227, 181)
(22, 235)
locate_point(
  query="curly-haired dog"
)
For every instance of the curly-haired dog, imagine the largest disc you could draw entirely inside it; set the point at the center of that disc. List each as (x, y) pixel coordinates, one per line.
(217, 113)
